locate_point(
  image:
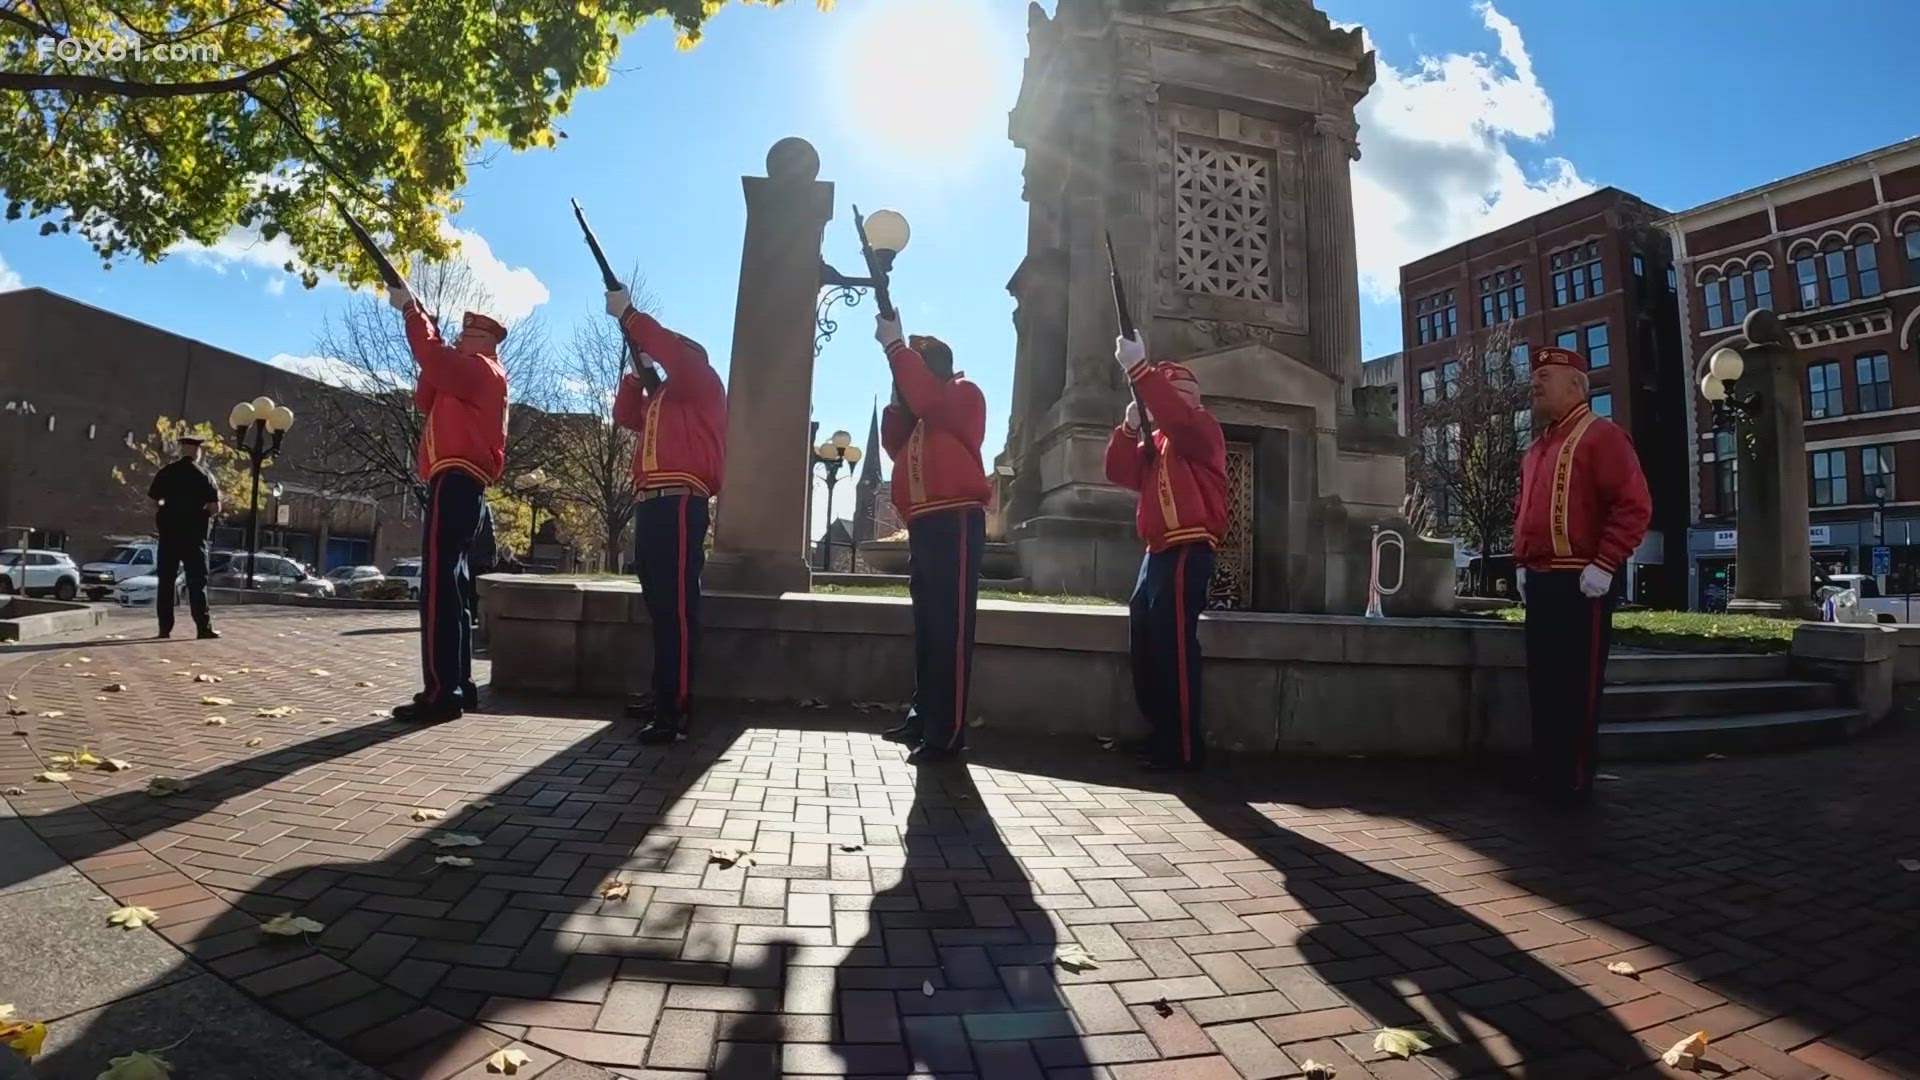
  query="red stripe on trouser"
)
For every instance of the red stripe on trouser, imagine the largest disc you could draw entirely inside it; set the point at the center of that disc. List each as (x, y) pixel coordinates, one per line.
(430, 590)
(1591, 715)
(680, 594)
(960, 636)
(1180, 651)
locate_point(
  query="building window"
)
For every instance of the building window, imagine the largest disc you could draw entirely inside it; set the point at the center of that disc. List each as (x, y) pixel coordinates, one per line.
(1760, 277)
(1829, 474)
(1599, 353)
(1870, 374)
(1866, 264)
(1911, 243)
(1450, 378)
(1522, 427)
(1809, 279)
(1577, 275)
(1452, 313)
(1876, 472)
(1486, 302)
(1435, 317)
(1568, 340)
(1823, 391)
(1429, 387)
(1726, 473)
(1520, 359)
(1450, 443)
(1673, 280)
(1639, 265)
(1502, 297)
(1222, 203)
(1710, 299)
(1602, 403)
(1737, 296)
(1834, 258)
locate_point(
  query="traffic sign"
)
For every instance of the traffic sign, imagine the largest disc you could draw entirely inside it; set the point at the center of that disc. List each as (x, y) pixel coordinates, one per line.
(1882, 561)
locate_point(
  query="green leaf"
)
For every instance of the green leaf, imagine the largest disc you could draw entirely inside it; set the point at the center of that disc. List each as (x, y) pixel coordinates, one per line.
(1402, 1043)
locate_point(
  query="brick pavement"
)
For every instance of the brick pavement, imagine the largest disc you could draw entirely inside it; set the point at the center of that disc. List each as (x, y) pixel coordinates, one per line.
(894, 924)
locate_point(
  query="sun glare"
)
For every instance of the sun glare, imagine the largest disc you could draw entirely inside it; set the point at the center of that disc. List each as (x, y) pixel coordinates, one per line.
(921, 76)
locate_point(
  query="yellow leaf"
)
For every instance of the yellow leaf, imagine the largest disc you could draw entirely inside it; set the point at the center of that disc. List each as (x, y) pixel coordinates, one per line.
(216, 701)
(139, 1065)
(114, 764)
(216, 721)
(16, 790)
(453, 860)
(329, 720)
(132, 918)
(255, 741)
(422, 813)
(1316, 1071)
(52, 777)
(166, 785)
(1074, 958)
(52, 714)
(6, 1013)
(456, 840)
(1685, 1054)
(164, 660)
(114, 688)
(84, 659)
(276, 711)
(613, 889)
(1402, 1043)
(206, 678)
(322, 672)
(731, 858)
(291, 925)
(27, 1038)
(507, 1061)
(1621, 967)
(363, 684)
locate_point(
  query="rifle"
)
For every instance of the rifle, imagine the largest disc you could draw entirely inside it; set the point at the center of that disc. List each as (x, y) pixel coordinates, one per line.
(878, 272)
(380, 261)
(627, 359)
(1131, 333)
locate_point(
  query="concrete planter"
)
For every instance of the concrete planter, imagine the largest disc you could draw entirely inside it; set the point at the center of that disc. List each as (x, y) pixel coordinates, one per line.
(22, 619)
(261, 596)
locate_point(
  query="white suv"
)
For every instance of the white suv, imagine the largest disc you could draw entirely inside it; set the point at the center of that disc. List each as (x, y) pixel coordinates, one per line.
(126, 561)
(32, 572)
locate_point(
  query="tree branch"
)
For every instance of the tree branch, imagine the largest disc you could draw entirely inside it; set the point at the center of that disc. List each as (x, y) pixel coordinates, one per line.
(39, 29)
(93, 84)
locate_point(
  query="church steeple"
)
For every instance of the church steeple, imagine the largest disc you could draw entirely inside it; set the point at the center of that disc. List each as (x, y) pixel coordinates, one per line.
(870, 464)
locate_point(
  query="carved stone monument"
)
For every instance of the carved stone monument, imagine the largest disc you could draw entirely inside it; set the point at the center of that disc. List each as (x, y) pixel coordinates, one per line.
(1212, 137)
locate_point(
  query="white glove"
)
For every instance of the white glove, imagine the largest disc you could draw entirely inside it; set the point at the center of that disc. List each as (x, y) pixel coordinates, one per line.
(1129, 351)
(1594, 582)
(618, 301)
(886, 331)
(1520, 582)
(401, 299)
(1133, 418)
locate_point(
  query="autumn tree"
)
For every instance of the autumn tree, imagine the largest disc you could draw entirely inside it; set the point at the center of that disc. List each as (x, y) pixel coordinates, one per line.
(142, 124)
(1471, 439)
(232, 469)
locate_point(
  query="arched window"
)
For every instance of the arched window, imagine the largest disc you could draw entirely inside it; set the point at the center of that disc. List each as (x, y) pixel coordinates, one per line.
(1910, 245)
(1866, 260)
(1760, 280)
(1710, 300)
(1806, 275)
(1833, 262)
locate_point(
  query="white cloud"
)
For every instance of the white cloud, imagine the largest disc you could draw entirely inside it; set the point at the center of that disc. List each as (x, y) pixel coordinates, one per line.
(242, 248)
(515, 291)
(276, 286)
(1438, 164)
(9, 279)
(334, 371)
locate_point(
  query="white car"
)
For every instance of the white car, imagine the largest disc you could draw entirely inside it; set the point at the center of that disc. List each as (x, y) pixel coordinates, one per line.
(142, 590)
(408, 572)
(34, 572)
(126, 561)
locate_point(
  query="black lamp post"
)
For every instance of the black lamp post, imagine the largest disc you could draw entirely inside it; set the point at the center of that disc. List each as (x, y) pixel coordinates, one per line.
(833, 454)
(258, 428)
(886, 233)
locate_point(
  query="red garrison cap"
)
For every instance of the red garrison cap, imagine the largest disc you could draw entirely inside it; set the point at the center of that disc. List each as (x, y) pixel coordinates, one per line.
(1553, 355)
(476, 321)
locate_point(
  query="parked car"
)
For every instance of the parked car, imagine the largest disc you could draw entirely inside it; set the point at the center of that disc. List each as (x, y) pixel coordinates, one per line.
(143, 590)
(33, 572)
(408, 572)
(355, 580)
(274, 573)
(129, 560)
(1861, 593)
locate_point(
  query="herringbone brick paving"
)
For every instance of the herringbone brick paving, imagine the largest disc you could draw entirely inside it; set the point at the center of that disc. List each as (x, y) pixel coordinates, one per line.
(895, 923)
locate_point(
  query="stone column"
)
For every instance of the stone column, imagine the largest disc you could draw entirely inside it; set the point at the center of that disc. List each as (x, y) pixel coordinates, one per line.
(1773, 567)
(1333, 289)
(770, 382)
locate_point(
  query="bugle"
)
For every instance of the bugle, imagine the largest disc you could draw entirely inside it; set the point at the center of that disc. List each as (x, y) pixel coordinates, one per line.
(1381, 539)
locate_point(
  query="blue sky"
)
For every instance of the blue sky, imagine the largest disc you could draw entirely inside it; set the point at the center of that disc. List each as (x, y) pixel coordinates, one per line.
(1481, 115)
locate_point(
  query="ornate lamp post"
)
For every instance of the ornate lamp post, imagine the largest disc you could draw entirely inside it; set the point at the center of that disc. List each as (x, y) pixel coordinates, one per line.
(258, 428)
(886, 234)
(833, 454)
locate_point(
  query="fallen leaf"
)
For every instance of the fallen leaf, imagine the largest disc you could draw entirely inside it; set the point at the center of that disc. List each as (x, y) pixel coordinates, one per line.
(1910, 865)
(1605, 776)
(52, 714)
(6, 1013)
(813, 703)
(329, 720)
(1621, 967)
(53, 777)
(927, 987)
(275, 712)
(1106, 742)
(613, 889)
(216, 721)
(363, 684)
(1313, 1070)
(978, 721)
(255, 741)
(83, 757)
(133, 918)
(24, 1037)
(1716, 757)
(84, 659)
(14, 791)
(850, 848)
(14, 710)
(99, 697)
(1162, 1007)
(453, 860)
(455, 839)
(1074, 958)
(216, 701)
(1402, 1043)
(243, 671)
(730, 858)
(1685, 1054)
(166, 785)
(139, 1065)
(322, 672)
(507, 1061)
(114, 764)
(483, 804)
(291, 925)
(382, 712)
(164, 660)
(206, 678)
(421, 813)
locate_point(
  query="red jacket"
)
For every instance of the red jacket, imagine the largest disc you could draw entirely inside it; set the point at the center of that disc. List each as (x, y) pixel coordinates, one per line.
(1583, 498)
(683, 424)
(935, 440)
(464, 398)
(1187, 469)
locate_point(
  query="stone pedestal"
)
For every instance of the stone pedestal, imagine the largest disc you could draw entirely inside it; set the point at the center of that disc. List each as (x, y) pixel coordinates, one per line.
(1774, 566)
(770, 380)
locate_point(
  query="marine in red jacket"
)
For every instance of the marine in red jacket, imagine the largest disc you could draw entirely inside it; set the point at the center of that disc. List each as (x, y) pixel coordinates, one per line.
(679, 456)
(933, 430)
(1583, 510)
(1181, 475)
(462, 395)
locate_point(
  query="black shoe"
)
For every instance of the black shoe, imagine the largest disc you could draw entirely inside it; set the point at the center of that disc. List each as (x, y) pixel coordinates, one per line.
(427, 712)
(932, 755)
(207, 633)
(164, 634)
(469, 697)
(907, 734)
(641, 708)
(663, 730)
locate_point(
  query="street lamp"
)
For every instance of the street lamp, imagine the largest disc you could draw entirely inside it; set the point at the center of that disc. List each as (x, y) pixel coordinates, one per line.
(1725, 367)
(833, 454)
(267, 425)
(886, 233)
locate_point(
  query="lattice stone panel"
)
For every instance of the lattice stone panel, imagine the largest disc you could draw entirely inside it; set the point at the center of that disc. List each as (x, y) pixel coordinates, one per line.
(1232, 586)
(1223, 221)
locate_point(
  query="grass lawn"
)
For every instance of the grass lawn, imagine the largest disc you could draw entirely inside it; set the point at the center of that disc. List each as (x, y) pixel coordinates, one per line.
(1692, 631)
(985, 594)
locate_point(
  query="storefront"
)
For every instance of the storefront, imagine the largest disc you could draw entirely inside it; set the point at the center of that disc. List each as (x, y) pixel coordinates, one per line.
(1844, 547)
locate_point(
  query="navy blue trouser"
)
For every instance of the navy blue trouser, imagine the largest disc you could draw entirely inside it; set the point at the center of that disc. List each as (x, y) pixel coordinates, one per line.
(1568, 637)
(1164, 631)
(454, 499)
(944, 550)
(669, 552)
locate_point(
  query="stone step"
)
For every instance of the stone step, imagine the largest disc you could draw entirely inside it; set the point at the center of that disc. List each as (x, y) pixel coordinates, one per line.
(822, 577)
(1694, 667)
(1654, 701)
(1693, 737)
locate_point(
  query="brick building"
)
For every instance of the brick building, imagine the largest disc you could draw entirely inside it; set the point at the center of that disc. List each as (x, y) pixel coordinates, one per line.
(1386, 371)
(1836, 253)
(1594, 275)
(81, 387)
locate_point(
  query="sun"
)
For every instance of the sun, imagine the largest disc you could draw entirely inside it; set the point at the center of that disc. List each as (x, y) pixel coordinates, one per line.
(922, 77)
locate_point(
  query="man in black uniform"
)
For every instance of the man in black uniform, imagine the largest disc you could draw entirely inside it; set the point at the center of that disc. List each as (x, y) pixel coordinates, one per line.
(188, 500)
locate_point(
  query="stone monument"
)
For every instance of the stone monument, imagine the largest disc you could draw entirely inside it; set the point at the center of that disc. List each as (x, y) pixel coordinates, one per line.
(1212, 138)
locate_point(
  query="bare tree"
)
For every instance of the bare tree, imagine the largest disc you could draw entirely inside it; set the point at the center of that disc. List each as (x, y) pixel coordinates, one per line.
(373, 430)
(1471, 440)
(591, 457)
